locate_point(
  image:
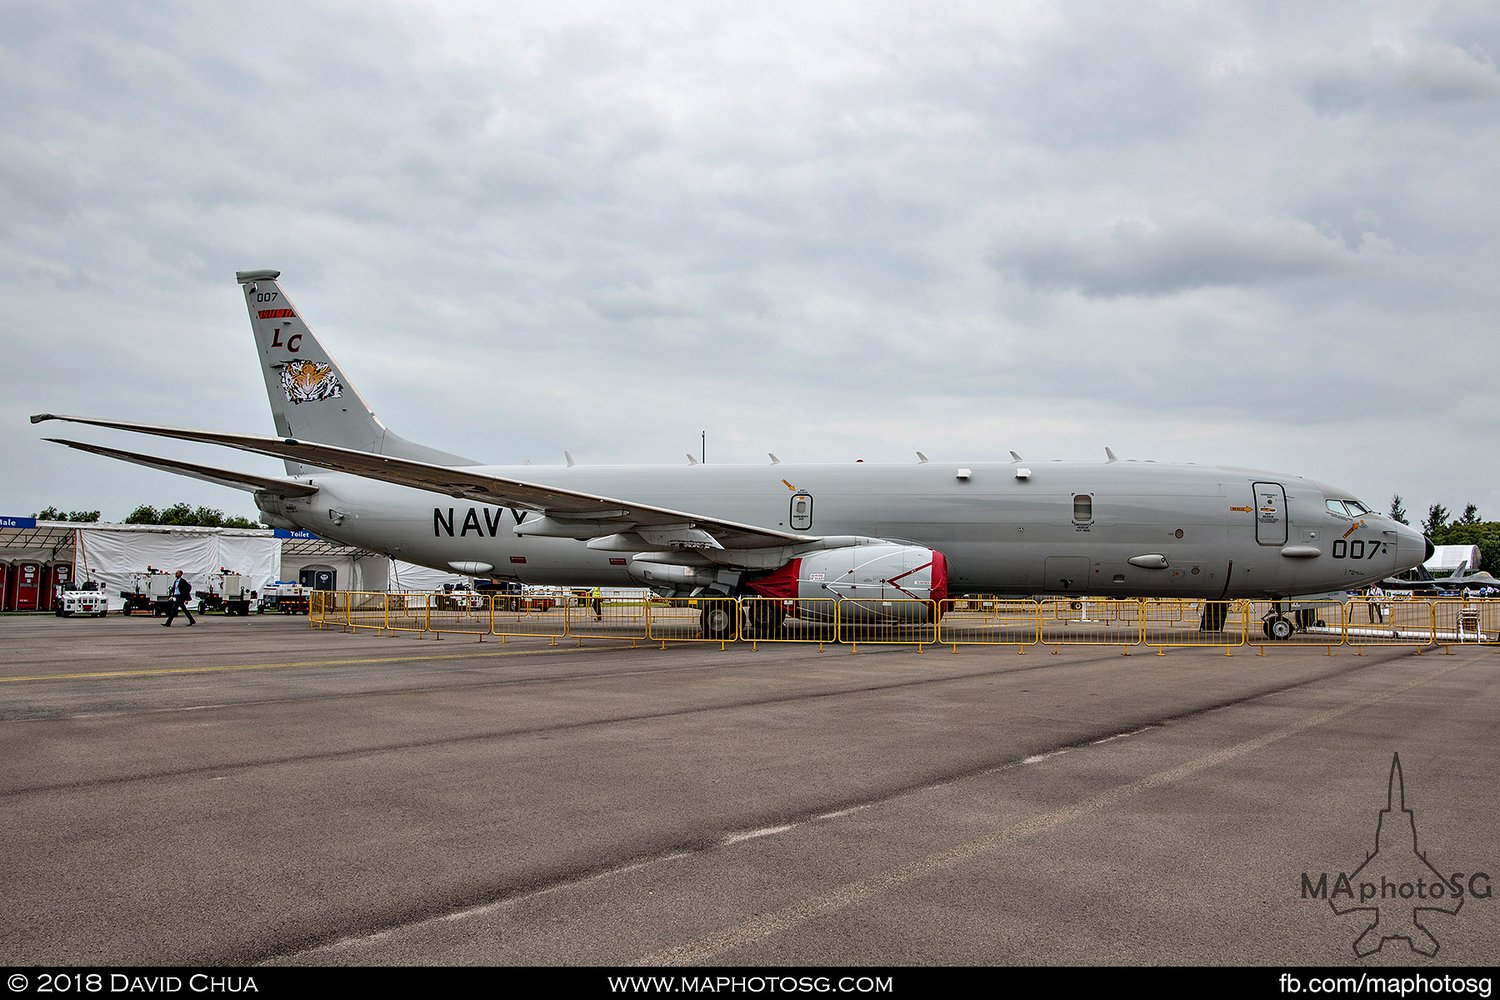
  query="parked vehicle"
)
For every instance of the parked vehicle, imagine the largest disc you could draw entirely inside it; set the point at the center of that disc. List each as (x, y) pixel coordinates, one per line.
(284, 596)
(227, 592)
(150, 591)
(84, 599)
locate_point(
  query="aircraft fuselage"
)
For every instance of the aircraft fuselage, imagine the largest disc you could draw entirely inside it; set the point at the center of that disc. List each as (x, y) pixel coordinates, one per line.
(1123, 529)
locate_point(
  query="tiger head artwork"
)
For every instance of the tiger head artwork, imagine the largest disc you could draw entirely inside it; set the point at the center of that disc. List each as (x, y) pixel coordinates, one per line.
(306, 381)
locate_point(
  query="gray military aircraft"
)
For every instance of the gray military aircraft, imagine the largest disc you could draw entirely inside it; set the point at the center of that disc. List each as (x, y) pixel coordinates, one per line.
(861, 533)
(1461, 580)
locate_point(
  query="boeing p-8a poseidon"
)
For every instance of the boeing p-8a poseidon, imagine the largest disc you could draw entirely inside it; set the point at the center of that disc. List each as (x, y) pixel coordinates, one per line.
(860, 533)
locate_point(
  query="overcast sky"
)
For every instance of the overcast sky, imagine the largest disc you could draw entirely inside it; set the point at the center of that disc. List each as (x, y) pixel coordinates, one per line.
(1257, 234)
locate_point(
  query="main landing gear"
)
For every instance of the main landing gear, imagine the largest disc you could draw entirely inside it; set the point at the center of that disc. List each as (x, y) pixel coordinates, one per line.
(718, 621)
(765, 618)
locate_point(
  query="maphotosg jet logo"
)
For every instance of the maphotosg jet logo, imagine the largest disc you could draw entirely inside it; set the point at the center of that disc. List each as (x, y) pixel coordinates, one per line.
(1397, 885)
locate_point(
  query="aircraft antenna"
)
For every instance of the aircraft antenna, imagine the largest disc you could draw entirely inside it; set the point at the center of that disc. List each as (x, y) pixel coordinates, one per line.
(921, 458)
(568, 455)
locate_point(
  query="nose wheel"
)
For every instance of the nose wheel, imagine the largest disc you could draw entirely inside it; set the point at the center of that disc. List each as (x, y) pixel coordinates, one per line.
(1277, 627)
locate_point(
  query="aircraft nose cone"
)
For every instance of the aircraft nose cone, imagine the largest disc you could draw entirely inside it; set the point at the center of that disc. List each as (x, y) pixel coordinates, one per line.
(1412, 548)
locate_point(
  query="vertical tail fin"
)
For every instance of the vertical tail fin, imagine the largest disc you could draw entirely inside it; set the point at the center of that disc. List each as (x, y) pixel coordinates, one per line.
(311, 397)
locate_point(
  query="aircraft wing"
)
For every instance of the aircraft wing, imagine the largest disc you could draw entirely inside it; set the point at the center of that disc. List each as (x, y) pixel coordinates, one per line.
(237, 480)
(569, 510)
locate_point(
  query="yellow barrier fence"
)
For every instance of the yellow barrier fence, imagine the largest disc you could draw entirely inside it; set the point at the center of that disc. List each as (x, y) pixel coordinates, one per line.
(1192, 623)
(1296, 623)
(460, 612)
(1462, 621)
(772, 619)
(406, 612)
(323, 608)
(1089, 621)
(520, 615)
(694, 619)
(989, 621)
(986, 621)
(1397, 623)
(366, 609)
(620, 620)
(905, 622)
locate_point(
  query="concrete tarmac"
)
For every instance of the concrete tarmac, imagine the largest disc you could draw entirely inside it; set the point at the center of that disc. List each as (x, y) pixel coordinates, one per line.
(257, 791)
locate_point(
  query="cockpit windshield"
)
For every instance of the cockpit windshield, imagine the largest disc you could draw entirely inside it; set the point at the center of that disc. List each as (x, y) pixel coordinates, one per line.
(1348, 508)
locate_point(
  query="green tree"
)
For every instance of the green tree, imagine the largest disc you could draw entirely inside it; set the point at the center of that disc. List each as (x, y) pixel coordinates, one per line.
(1398, 511)
(1485, 534)
(77, 516)
(181, 515)
(144, 514)
(1437, 520)
(1470, 515)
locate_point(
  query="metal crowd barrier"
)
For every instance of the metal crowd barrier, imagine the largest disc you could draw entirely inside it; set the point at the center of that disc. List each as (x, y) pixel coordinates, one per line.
(904, 622)
(693, 619)
(1090, 621)
(1458, 621)
(772, 619)
(1054, 622)
(541, 617)
(1397, 623)
(1297, 623)
(989, 621)
(602, 618)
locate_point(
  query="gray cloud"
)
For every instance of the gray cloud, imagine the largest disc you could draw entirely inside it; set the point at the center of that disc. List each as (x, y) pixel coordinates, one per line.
(1227, 233)
(1136, 257)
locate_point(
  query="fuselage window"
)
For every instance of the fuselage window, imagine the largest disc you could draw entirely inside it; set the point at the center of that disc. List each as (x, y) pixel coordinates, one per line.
(1083, 508)
(1337, 506)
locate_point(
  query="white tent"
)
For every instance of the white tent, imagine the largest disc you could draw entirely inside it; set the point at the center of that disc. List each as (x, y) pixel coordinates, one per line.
(405, 576)
(1447, 558)
(113, 554)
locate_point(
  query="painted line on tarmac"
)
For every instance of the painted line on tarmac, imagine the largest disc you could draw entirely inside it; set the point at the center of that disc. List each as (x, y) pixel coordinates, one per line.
(769, 831)
(232, 668)
(482, 910)
(708, 948)
(728, 840)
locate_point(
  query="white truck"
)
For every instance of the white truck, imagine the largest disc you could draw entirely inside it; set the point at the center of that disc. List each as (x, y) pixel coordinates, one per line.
(150, 591)
(228, 592)
(86, 599)
(284, 596)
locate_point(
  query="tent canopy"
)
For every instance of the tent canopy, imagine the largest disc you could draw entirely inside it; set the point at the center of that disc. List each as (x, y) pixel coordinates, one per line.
(1447, 558)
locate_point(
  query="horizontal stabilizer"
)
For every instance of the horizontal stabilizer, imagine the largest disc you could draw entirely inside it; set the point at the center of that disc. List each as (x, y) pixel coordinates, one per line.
(474, 483)
(236, 480)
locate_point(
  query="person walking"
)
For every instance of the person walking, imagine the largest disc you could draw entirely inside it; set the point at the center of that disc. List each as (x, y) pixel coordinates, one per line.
(181, 592)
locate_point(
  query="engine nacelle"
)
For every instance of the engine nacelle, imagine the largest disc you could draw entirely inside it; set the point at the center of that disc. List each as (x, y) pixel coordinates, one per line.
(882, 581)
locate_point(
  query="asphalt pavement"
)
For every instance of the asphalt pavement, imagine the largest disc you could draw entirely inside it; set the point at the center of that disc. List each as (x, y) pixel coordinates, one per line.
(258, 791)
